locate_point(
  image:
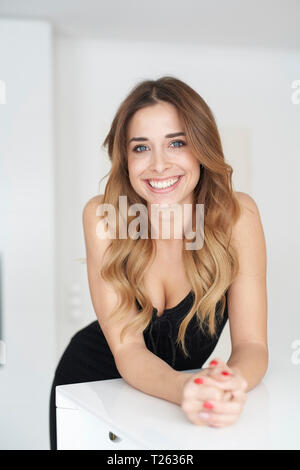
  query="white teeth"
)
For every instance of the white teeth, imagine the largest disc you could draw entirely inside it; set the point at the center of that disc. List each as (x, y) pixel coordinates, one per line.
(165, 184)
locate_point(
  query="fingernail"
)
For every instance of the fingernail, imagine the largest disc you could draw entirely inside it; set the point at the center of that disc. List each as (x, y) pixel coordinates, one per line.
(208, 405)
(225, 373)
(213, 363)
(204, 415)
(198, 380)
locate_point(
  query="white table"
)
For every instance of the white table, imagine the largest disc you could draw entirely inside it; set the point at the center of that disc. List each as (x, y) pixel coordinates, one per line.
(87, 414)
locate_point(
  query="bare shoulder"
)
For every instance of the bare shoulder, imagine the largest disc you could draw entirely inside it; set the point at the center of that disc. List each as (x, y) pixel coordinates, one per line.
(248, 234)
(94, 226)
(246, 202)
(250, 216)
(90, 213)
(92, 204)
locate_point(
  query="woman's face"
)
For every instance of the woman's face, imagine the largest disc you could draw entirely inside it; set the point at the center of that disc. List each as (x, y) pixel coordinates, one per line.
(155, 156)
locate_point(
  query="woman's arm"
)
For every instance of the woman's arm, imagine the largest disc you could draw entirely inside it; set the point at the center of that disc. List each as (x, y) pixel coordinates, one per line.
(145, 371)
(250, 360)
(247, 297)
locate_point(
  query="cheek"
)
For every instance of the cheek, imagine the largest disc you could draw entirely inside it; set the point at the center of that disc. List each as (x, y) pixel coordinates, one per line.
(191, 163)
(131, 167)
(195, 170)
(134, 172)
(135, 169)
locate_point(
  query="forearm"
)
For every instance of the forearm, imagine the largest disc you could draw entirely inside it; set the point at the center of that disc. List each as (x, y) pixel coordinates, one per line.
(251, 361)
(145, 371)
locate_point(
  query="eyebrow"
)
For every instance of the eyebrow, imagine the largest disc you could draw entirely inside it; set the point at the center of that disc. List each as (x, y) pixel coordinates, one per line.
(167, 136)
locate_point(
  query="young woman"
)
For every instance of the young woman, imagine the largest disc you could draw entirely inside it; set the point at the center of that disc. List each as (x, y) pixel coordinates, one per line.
(161, 305)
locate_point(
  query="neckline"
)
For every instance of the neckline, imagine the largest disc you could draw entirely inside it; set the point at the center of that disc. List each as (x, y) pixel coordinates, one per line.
(175, 308)
(167, 311)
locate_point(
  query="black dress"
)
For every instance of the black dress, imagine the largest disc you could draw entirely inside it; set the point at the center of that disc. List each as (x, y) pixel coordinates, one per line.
(88, 357)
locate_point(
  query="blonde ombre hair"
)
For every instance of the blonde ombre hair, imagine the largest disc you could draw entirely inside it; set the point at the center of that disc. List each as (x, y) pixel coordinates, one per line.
(210, 269)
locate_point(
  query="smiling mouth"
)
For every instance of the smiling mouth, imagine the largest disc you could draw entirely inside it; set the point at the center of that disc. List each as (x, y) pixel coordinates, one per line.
(163, 185)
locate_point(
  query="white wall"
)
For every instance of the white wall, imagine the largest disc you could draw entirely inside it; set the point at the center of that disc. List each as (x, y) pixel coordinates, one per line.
(249, 91)
(27, 233)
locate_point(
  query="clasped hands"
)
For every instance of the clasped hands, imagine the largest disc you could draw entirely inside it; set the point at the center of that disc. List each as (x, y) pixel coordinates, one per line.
(214, 396)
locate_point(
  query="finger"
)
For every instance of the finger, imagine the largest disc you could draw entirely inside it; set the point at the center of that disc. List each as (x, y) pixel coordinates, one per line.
(192, 411)
(227, 395)
(207, 381)
(216, 362)
(221, 371)
(217, 414)
(206, 392)
(201, 419)
(199, 411)
(239, 396)
(218, 407)
(203, 400)
(219, 421)
(231, 380)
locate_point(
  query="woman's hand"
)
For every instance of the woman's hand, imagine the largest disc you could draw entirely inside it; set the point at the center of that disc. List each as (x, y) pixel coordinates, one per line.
(214, 396)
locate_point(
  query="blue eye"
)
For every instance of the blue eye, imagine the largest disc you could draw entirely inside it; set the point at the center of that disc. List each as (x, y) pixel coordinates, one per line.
(135, 149)
(178, 142)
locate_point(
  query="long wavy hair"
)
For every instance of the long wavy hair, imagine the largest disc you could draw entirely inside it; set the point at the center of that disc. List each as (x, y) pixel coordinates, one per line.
(210, 269)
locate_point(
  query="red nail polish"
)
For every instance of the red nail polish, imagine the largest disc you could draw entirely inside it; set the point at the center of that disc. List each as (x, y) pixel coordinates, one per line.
(208, 405)
(225, 373)
(213, 363)
(198, 380)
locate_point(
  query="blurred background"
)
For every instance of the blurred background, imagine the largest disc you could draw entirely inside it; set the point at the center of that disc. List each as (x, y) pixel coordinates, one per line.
(65, 66)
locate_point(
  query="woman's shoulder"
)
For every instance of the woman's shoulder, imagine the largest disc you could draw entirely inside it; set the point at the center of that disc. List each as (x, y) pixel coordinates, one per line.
(91, 215)
(94, 227)
(249, 221)
(93, 202)
(246, 201)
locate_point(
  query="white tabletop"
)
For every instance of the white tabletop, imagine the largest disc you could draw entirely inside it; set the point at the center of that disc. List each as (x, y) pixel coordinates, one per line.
(270, 418)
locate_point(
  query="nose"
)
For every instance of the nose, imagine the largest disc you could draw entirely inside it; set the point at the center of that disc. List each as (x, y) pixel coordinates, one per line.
(159, 162)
